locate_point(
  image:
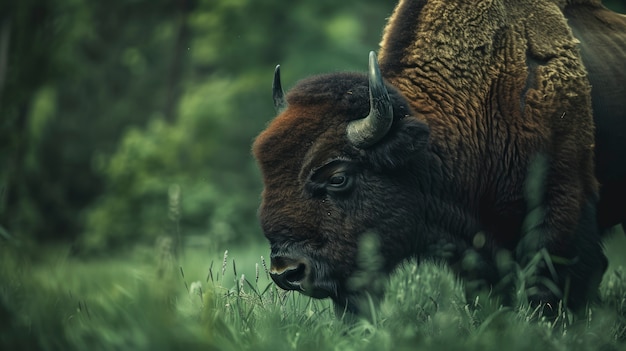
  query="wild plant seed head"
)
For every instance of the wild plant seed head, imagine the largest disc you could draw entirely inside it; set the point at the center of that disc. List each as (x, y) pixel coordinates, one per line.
(267, 272)
(224, 262)
(196, 288)
(174, 202)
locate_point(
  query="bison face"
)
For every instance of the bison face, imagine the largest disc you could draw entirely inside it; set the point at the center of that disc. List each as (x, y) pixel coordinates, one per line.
(343, 158)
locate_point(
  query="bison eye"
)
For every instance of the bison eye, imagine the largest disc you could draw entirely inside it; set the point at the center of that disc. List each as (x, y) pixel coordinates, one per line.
(339, 182)
(336, 177)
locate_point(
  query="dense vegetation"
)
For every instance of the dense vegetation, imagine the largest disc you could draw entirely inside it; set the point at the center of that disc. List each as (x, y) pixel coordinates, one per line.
(215, 302)
(125, 129)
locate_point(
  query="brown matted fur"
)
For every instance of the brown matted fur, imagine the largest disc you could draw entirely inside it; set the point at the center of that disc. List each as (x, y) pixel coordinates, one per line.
(475, 54)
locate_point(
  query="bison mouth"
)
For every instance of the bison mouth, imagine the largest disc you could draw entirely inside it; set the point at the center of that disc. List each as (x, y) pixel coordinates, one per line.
(312, 279)
(301, 275)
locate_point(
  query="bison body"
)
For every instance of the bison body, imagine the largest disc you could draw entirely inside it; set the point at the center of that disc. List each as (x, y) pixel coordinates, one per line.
(431, 150)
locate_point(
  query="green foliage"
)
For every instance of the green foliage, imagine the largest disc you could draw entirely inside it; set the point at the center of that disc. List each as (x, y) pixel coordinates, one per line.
(69, 63)
(148, 302)
(175, 164)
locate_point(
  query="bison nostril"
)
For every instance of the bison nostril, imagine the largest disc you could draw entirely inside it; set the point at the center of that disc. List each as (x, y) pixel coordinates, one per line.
(296, 275)
(288, 274)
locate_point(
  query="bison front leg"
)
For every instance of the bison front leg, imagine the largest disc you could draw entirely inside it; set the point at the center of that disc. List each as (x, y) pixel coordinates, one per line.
(562, 259)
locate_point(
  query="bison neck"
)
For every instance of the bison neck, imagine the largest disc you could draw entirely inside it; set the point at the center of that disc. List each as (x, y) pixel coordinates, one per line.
(448, 223)
(458, 207)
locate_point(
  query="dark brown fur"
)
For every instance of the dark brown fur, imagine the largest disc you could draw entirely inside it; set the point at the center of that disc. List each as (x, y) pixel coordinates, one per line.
(479, 89)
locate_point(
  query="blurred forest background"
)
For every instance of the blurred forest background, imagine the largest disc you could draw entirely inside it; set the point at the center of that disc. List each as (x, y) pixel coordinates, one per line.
(123, 121)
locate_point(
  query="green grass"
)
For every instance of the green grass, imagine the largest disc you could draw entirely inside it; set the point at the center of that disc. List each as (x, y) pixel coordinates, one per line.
(151, 301)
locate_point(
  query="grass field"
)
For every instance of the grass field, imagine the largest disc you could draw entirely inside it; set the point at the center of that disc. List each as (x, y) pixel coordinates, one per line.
(148, 300)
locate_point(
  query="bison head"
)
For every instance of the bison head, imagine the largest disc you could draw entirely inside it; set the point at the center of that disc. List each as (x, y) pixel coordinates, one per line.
(344, 157)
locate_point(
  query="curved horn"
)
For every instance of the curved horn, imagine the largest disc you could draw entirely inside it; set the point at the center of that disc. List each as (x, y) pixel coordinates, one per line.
(280, 104)
(367, 131)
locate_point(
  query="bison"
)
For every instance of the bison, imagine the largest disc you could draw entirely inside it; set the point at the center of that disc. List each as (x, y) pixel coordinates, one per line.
(431, 150)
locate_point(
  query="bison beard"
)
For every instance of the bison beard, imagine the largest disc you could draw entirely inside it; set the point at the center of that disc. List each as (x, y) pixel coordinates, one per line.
(431, 153)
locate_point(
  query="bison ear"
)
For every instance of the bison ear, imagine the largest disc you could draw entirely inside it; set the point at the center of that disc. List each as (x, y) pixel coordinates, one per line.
(405, 143)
